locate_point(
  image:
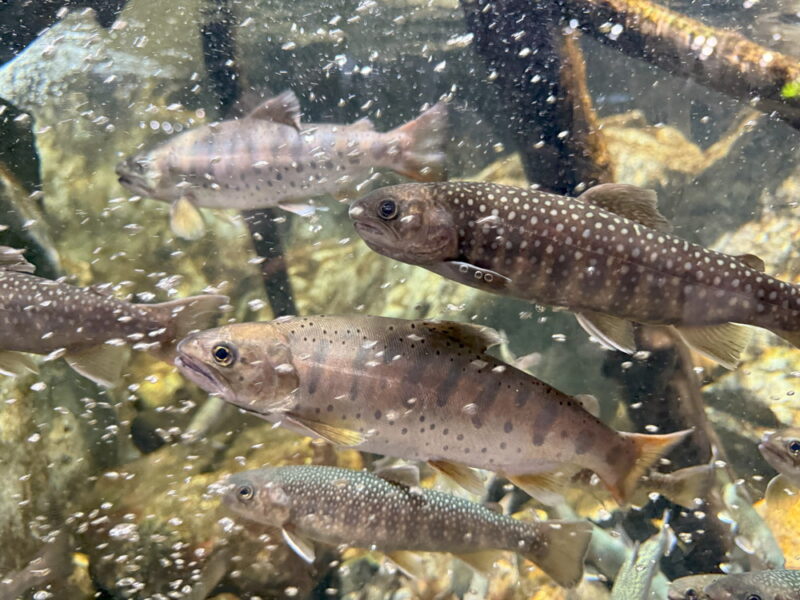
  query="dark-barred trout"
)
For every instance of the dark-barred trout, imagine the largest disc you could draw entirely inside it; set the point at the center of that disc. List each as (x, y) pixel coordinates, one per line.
(606, 255)
(418, 390)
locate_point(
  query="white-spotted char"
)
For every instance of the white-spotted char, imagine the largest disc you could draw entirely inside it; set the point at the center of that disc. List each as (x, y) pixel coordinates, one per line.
(364, 510)
(419, 390)
(756, 585)
(607, 256)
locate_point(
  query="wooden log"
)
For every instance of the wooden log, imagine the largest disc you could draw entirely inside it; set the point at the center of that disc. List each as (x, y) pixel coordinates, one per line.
(717, 58)
(541, 86)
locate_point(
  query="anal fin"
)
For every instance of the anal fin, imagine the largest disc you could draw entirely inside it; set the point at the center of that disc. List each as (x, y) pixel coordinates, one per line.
(330, 433)
(102, 364)
(186, 220)
(483, 562)
(614, 333)
(721, 343)
(14, 364)
(464, 476)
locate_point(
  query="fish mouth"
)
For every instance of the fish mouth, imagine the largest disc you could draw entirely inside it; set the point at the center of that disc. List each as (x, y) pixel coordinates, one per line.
(771, 454)
(373, 231)
(198, 373)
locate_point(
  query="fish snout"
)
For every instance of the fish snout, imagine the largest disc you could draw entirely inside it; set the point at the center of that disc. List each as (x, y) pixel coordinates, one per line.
(356, 211)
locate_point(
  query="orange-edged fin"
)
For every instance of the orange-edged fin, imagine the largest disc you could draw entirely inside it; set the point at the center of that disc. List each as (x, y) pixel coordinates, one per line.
(409, 563)
(721, 343)
(648, 449)
(559, 549)
(463, 476)
(335, 435)
(547, 488)
(683, 486)
(483, 561)
(422, 157)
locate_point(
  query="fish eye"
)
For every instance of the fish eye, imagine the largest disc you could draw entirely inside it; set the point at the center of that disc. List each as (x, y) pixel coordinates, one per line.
(794, 447)
(223, 355)
(245, 492)
(754, 597)
(387, 210)
(691, 594)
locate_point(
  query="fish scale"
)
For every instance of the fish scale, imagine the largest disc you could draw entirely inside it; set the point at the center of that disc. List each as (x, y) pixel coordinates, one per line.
(418, 390)
(583, 254)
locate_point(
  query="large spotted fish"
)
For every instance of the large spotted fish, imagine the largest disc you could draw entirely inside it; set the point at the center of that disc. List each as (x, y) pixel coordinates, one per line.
(756, 585)
(606, 255)
(268, 158)
(419, 390)
(88, 328)
(391, 513)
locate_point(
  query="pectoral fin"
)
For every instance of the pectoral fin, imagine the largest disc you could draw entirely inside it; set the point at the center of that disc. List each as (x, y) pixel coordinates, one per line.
(547, 488)
(11, 259)
(299, 208)
(301, 546)
(483, 561)
(102, 364)
(185, 219)
(721, 343)
(629, 201)
(612, 332)
(14, 364)
(469, 274)
(330, 433)
(463, 476)
(407, 475)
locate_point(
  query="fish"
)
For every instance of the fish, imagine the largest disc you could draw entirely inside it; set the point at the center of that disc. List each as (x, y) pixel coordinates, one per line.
(755, 585)
(269, 158)
(637, 575)
(781, 449)
(88, 327)
(752, 534)
(606, 255)
(389, 511)
(417, 390)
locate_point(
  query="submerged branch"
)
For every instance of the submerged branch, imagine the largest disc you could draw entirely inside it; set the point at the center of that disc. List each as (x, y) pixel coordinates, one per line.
(722, 60)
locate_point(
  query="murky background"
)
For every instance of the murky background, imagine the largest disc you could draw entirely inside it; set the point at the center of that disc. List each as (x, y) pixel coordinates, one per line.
(119, 478)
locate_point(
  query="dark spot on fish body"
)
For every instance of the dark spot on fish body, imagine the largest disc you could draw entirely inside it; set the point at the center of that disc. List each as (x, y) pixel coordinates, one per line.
(544, 420)
(508, 427)
(445, 389)
(584, 441)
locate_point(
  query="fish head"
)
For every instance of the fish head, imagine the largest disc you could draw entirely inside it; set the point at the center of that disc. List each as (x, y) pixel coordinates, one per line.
(781, 449)
(247, 364)
(139, 174)
(408, 223)
(691, 587)
(259, 496)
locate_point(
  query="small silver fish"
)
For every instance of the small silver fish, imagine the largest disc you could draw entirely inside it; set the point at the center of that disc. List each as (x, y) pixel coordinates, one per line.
(90, 329)
(635, 579)
(392, 514)
(607, 255)
(268, 158)
(756, 585)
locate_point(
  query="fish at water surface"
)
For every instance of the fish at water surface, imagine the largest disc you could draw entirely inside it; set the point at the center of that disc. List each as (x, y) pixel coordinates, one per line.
(419, 390)
(87, 327)
(757, 585)
(606, 255)
(268, 158)
(395, 516)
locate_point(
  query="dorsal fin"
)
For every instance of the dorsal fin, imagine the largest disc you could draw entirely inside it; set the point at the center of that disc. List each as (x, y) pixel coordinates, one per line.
(363, 124)
(752, 261)
(283, 108)
(478, 337)
(11, 259)
(629, 201)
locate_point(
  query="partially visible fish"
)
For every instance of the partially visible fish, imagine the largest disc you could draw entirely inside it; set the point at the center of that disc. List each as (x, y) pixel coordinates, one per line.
(756, 585)
(635, 579)
(752, 534)
(268, 158)
(391, 513)
(606, 255)
(781, 449)
(419, 390)
(53, 562)
(88, 328)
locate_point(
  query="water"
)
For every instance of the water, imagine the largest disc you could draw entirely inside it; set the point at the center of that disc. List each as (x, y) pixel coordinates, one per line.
(125, 481)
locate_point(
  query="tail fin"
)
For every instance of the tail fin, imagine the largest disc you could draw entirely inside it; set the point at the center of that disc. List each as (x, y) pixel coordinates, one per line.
(649, 448)
(183, 316)
(423, 139)
(560, 548)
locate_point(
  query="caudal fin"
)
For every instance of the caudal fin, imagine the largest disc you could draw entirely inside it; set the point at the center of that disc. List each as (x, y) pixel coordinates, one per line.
(422, 141)
(181, 317)
(648, 449)
(559, 549)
